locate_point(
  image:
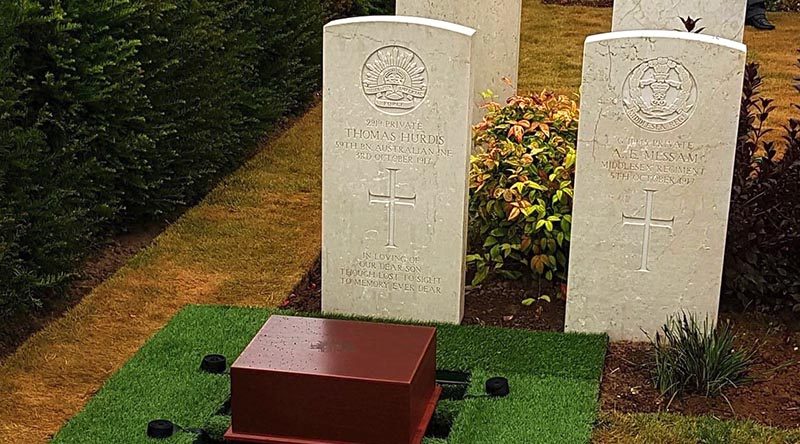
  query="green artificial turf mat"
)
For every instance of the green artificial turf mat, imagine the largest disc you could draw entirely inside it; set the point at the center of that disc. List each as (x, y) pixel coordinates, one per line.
(164, 379)
(554, 382)
(541, 410)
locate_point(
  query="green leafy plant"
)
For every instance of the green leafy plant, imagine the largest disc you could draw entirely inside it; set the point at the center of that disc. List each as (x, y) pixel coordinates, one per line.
(697, 357)
(521, 187)
(763, 242)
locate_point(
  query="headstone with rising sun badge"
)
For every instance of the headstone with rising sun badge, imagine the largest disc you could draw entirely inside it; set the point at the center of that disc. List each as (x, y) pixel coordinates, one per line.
(711, 17)
(397, 95)
(656, 146)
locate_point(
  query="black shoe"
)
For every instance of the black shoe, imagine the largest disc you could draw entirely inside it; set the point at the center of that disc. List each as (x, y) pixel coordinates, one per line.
(761, 22)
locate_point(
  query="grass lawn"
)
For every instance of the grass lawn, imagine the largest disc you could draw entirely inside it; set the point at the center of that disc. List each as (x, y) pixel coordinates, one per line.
(231, 249)
(259, 230)
(677, 429)
(552, 51)
(554, 380)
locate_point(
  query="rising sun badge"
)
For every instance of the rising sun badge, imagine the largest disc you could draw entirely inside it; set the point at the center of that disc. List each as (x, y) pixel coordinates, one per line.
(394, 80)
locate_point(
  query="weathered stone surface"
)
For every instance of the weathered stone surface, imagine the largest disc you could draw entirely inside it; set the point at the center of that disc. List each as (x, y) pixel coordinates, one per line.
(496, 42)
(657, 138)
(721, 18)
(397, 137)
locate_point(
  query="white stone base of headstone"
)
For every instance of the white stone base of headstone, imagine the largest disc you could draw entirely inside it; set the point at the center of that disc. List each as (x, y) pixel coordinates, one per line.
(657, 139)
(396, 144)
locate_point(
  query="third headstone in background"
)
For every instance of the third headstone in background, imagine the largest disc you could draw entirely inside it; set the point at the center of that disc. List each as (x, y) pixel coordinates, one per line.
(656, 147)
(497, 40)
(721, 18)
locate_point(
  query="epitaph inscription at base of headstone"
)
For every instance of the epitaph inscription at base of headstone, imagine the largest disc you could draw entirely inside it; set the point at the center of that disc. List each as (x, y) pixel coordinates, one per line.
(719, 18)
(396, 143)
(657, 139)
(496, 42)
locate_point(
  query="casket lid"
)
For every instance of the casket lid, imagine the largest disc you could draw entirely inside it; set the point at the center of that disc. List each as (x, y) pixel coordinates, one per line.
(337, 348)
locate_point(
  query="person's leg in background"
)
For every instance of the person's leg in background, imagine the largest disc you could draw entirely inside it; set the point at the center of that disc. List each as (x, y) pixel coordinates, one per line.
(757, 15)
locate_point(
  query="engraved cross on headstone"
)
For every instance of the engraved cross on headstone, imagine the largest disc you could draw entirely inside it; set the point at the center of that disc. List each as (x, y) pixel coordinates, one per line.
(392, 200)
(648, 222)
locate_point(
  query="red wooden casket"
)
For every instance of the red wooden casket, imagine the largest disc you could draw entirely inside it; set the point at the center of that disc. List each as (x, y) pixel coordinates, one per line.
(315, 381)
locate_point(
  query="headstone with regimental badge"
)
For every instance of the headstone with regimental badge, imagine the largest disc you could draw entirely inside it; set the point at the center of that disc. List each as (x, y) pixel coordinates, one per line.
(711, 17)
(396, 142)
(656, 146)
(497, 40)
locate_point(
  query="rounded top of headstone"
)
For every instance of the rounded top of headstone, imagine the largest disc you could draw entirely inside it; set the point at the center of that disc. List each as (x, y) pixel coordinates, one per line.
(404, 19)
(661, 34)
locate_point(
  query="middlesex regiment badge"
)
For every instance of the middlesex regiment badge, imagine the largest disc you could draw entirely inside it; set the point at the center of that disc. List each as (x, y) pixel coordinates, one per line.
(660, 95)
(394, 80)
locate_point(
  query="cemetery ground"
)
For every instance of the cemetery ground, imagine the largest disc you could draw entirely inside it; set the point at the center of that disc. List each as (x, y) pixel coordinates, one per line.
(554, 379)
(773, 397)
(257, 234)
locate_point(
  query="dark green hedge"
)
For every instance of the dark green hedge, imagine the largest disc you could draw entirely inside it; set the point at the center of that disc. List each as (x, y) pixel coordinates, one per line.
(336, 9)
(772, 5)
(117, 112)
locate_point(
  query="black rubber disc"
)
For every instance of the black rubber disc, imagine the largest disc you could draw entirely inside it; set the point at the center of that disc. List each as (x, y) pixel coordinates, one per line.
(160, 429)
(214, 364)
(497, 387)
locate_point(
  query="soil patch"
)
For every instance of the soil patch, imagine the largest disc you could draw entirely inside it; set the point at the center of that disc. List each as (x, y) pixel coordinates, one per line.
(773, 398)
(96, 268)
(495, 303)
(498, 304)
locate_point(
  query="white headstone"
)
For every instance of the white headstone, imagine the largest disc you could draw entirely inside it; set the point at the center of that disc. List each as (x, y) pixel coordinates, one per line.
(656, 146)
(721, 18)
(396, 143)
(497, 41)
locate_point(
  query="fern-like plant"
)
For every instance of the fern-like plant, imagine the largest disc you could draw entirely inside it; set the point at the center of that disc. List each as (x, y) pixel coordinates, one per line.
(691, 356)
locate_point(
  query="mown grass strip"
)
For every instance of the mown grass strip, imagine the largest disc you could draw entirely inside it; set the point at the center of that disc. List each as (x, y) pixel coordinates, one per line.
(246, 244)
(664, 428)
(552, 51)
